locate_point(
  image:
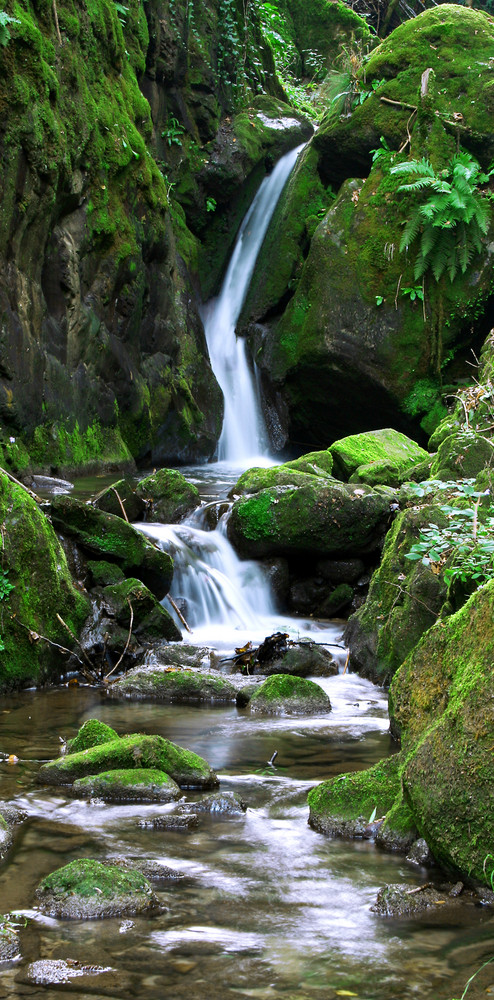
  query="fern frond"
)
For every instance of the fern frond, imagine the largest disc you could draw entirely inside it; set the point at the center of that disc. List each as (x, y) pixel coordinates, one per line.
(413, 167)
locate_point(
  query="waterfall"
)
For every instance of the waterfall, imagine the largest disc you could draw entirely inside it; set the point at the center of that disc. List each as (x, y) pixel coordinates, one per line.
(243, 437)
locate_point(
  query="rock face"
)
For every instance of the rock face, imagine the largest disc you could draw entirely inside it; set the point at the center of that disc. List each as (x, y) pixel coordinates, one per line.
(332, 346)
(88, 889)
(35, 587)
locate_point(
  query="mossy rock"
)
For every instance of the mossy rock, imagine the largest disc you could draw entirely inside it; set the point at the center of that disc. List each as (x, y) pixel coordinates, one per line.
(91, 734)
(104, 574)
(441, 704)
(344, 805)
(397, 901)
(136, 784)
(283, 694)
(123, 490)
(405, 598)
(174, 685)
(87, 889)
(354, 456)
(305, 659)
(37, 587)
(256, 479)
(324, 517)
(150, 621)
(168, 496)
(185, 767)
(462, 456)
(111, 538)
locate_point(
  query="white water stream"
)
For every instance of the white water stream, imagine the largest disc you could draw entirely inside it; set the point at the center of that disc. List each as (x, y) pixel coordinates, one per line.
(243, 437)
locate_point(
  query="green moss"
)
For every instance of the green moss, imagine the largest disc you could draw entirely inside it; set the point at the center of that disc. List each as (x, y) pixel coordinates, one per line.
(74, 448)
(137, 784)
(286, 693)
(169, 494)
(375, 446)
(185, 767)
(87, 878)
(91, 734)
(176, 686)
(356, 796)
(256, 516)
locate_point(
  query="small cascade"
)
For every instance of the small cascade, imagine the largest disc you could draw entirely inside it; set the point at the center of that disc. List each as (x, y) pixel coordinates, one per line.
(244, 437)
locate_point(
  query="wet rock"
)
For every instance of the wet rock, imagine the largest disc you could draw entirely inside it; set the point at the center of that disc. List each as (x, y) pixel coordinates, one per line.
(123, 490)
(419, 853)
(136, 784)
(401, 901)
(343, 805)
(168, 496)
(323, 517)
(91, 734)
(9, 938)
(282, 694)
(170, 821)
(174, 685)
(87, 889)
(376, 457)
(220, 804)
(462, 455)
(103, 573)
(303, 659)
(52, 972)
(185, 767)
(155, 871)
(111, 538)
(151, 620)
(183, 655)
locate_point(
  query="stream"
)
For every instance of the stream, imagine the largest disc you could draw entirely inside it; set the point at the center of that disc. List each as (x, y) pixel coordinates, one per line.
(257, 906)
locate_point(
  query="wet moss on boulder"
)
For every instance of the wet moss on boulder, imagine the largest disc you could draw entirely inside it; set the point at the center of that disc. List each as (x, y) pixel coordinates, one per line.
(324, 517)
(174, 685)
(122, 493)
(88, 889)
(138, 784)
(150, 620)
(185, 767)
(283, 694)
(91, 734)
(462, 455)
(111, 538)
(168, 496)
(35, 587)
(374, 457)
(294, 473)
(345, 805)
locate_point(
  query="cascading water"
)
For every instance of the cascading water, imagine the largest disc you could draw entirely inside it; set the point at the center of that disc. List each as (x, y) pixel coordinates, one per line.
(243, 437)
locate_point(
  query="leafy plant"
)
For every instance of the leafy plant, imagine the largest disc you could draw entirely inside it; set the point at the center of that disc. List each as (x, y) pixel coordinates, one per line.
(5, 585)
(122, 12)
(5, 21)
(173, 132)
(414, 292)
(383, 152)
(466, 542)
(451, 221)
(210, 204)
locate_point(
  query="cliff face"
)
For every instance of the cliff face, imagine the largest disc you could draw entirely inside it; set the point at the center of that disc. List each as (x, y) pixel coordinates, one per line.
(102, 355)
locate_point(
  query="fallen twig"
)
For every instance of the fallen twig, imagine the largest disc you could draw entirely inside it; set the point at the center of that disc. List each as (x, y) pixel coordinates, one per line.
(178, 613)
(420, 888)
(34, 496)
(74, 637)
(399, 104)
(124, 512)
(112, 671)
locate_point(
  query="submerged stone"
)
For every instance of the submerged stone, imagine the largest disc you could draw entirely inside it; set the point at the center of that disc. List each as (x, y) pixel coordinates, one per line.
(174, 685)
(87, 889)
(283, 694)
(220, 804)
(136, 784)
(402, 901)
(185, 767)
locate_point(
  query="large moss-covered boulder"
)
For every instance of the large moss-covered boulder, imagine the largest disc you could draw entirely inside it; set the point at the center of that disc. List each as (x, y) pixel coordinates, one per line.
(324, 517)
(283, 694)
(168, 496)
(111, 538)
(356, 456)
(87, 889)
(137, 784)
(294, 473)
(174, 685)
(185, 767)
(35, 587)
(150, 620)
(404, 599)
(346, 804)
(462, 455)
(441, 703)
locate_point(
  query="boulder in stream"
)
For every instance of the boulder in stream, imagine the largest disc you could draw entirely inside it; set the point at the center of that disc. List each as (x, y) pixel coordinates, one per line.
(168, 496)
(405, 901)
(121, 494)
(170, 684)
(137, 784)
(91, 734)
(185, 767)
(283, 694)
(87, 889)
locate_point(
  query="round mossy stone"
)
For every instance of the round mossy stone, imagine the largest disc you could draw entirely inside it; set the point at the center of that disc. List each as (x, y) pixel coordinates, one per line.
(284, 694)
(91, 734)
(136, 784)
(169, 496)
(87, 889)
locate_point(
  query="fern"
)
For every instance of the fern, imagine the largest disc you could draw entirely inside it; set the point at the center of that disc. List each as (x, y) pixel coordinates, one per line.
(450, 216)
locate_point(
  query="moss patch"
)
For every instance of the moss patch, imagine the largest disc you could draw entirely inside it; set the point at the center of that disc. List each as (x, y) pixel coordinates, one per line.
(138, 784)
(284, 693)
(91, 734)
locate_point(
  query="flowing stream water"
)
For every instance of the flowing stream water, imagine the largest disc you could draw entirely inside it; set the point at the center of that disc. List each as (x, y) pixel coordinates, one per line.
(259, 906)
